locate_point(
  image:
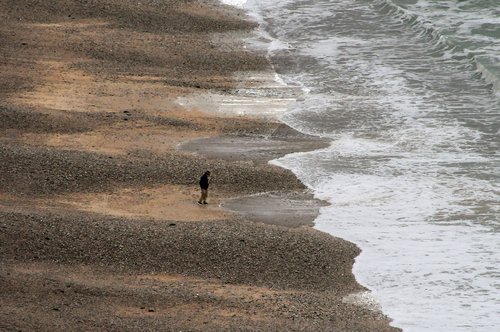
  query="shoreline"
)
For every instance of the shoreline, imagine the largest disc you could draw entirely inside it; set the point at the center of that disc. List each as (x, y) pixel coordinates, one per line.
(100, 226)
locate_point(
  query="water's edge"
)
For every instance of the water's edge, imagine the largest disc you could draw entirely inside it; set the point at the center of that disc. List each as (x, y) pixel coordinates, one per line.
(262, 42)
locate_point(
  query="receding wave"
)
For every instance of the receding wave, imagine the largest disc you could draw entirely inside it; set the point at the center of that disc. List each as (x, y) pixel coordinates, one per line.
(443, 45)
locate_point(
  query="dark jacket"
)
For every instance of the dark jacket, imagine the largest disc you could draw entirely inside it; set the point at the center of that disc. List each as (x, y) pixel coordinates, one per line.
(204, 182)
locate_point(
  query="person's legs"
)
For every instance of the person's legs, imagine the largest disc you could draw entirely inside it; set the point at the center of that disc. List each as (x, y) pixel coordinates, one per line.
(203, 197)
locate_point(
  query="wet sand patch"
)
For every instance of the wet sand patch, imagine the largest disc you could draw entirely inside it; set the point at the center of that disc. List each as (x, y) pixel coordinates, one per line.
(260, 149)
(290, 209)
(280, 141)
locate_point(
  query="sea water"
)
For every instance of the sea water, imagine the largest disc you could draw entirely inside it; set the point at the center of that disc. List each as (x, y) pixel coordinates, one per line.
(408, 92)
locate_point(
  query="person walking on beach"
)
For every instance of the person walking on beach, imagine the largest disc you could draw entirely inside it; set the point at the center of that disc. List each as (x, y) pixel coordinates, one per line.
(204, 188)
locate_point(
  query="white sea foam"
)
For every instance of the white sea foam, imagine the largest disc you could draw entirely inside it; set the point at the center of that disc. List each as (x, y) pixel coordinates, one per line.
(460, 28)
(415, 258)
(236, 3)
(413, 266)
(410, 173)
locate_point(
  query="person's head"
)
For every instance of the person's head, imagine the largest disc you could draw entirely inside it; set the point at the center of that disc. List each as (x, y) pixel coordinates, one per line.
(207, 173)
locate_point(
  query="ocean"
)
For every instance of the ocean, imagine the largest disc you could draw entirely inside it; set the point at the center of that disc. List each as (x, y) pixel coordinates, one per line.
(408, 93)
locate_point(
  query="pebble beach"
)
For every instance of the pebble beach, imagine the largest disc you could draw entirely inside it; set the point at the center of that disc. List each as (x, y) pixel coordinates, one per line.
(100, 226)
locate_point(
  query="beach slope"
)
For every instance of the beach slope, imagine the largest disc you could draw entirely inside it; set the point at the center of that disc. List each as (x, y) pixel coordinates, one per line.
(100, 229)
